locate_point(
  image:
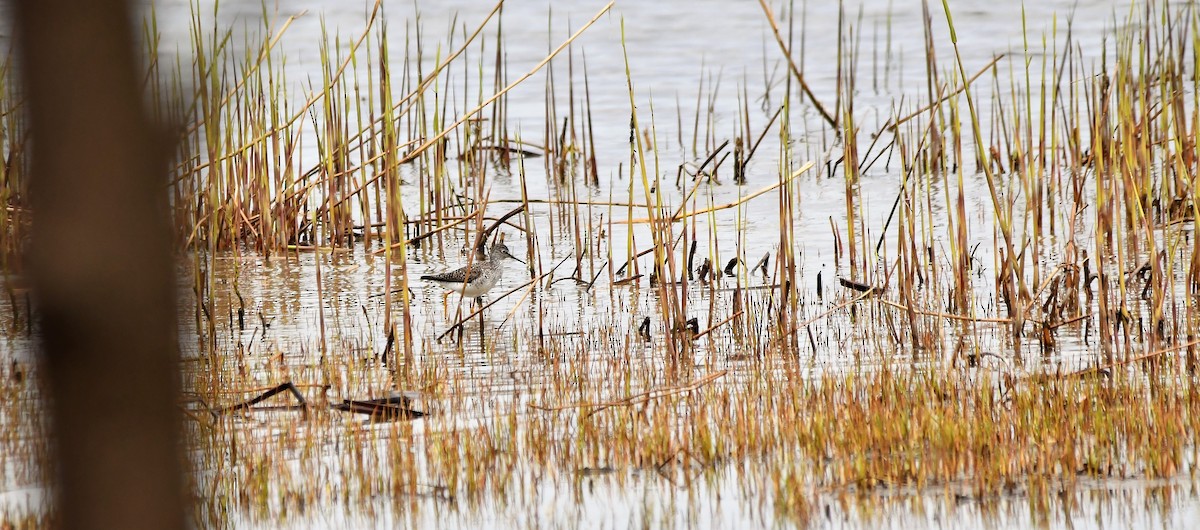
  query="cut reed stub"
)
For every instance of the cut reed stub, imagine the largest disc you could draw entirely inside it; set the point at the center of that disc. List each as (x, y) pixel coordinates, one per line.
(391, 408)
(691, 259)
(857, 286)
(739, 161)
(644, 329)
(509, 150)
(762, 264)
(689, 329)
(289, 387)
(731, 267)
(704, 269)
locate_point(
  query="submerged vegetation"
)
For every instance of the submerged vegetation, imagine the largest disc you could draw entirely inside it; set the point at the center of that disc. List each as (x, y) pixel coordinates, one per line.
(1012, 322)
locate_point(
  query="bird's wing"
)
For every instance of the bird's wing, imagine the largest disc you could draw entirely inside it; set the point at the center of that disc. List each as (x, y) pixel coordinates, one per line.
(466, 274)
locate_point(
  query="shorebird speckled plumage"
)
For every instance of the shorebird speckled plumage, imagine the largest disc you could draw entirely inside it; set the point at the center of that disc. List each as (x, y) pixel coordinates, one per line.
(476, 279)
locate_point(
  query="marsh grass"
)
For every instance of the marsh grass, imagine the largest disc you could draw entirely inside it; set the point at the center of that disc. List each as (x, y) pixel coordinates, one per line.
(1028, 351)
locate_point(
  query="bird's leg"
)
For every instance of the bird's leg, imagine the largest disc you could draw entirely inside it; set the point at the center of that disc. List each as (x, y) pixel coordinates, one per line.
(480, 300)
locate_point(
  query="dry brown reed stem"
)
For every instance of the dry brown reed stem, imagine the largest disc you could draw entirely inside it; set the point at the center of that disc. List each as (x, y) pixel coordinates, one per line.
(718, 324)
(1045, 283)
(320, 295)
(266, 394)
(193, 396)
(562, 202)
(636, 399)
(795, 69)
(700, 169)
(1123, 362)
(483, 236)
(457, 221)
(196, 417)
(754, 148)
(678, 217)
(950, 316)
(319, 248)
(833, 309)
(467, 116)
(531, 284)
(457, 324)
(631, 279)
(430, 233)
(18, 105)
(1070, 321)
(942, 99)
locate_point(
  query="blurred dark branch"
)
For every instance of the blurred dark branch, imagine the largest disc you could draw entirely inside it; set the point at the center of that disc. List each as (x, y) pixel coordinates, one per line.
(101, 268)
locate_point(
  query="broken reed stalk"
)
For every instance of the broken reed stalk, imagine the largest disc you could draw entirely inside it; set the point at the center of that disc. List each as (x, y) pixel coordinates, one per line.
(680, 215)
(288, 387)
(1143, 357)
(833, 122)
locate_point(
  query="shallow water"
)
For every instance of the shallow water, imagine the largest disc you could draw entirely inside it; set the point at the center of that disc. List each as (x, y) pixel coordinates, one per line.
(512, 357)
